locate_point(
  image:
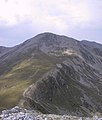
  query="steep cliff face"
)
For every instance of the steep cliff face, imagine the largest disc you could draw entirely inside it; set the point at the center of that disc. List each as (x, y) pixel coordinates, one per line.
(65, 75)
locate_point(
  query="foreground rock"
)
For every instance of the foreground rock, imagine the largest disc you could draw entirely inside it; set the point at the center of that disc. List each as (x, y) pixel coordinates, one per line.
(17, 113)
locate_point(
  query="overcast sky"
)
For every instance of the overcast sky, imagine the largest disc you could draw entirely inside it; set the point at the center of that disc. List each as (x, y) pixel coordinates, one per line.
(23, 19)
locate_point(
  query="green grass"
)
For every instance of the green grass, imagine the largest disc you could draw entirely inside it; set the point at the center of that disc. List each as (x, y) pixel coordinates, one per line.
(14, 82)
(10, 95)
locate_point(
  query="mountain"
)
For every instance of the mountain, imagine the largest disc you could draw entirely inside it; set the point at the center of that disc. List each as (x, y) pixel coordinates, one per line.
(53, 74)
(3, 50)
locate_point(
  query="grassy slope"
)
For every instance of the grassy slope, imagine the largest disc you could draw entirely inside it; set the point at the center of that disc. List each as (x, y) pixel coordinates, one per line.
(13, 83)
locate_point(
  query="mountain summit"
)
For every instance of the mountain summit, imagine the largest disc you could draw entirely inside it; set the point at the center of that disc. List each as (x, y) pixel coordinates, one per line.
(53, 74)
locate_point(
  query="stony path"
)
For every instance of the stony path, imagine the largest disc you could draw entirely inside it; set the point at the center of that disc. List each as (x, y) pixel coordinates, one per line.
(17, 113)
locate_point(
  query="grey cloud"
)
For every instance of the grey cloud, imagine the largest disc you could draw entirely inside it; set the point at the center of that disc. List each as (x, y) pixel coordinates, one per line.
(54, 17)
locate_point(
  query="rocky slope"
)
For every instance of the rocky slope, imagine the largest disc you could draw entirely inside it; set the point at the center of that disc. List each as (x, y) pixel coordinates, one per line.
(3, 50)
(65, 75)
(74, 87)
